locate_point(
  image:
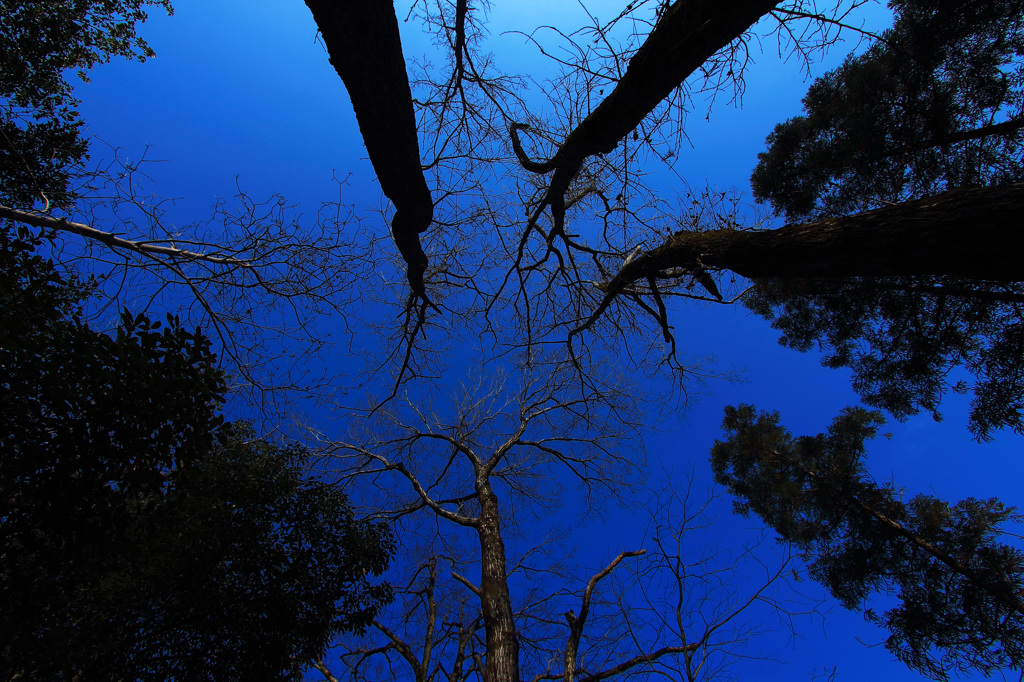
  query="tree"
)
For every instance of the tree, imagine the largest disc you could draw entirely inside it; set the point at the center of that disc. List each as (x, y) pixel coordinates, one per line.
(685, 37)
(41, 145)
(477, 116)
(521, 223)
(461, 483)
(933, 107)
(265, 264)
(142, 538)
(566, 283)
(934, 104)
(959, 586)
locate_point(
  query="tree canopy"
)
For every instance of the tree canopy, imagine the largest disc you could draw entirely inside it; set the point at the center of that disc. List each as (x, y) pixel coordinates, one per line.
(141, 537)
(959, 585)
(42, 147)
(936, 103)
(522, 236)
(933, 106)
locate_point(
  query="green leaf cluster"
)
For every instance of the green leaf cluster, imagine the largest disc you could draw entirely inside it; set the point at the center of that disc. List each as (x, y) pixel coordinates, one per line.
(958, 587)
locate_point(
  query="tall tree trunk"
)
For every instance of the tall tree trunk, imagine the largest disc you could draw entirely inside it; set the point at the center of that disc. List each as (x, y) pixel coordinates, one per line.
(961, 233)
(366, 50)
(363, 41)
(502, 663)
(688, 33)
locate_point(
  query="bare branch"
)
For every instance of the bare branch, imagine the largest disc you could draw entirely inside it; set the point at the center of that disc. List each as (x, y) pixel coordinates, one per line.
(112, 240)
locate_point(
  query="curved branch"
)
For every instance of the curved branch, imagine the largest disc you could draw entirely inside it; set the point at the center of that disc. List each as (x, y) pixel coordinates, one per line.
(640, 660)
(420, 491)
(524, 160)
(323, 670)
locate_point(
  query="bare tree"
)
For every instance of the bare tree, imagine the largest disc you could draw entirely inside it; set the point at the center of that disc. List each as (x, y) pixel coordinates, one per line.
(258, 275)
(522, 222)
(615, 96)
(679, 608)
(527, 222)
(466, 485)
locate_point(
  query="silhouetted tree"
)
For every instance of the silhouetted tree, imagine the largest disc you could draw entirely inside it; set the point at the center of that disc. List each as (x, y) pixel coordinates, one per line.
(934, 105)
(250, 260)
(41, 142)
(141, 538)
(518, 230)
(459, 482)
(959, 587)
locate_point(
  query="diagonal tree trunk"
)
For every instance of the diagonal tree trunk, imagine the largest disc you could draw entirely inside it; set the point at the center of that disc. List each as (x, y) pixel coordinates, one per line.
(363, 41)
(688, 33)
(366, 50)
(962, 233)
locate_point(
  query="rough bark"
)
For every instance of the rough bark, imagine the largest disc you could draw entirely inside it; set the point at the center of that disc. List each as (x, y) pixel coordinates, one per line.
(962, 233)
(365, 49)
(502, 664)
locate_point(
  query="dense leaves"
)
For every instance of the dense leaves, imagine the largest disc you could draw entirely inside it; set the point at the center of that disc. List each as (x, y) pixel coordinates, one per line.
(243, 569)
(935, 104)
(41, 43)
(139, 537)
(904, 340)
(958, 586)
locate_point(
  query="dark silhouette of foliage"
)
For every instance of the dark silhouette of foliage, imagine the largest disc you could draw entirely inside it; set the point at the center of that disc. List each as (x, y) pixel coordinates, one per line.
(140, 537)
(935, 104)
(934, 107)
(903, 339)
(959, 588)
(41, 43)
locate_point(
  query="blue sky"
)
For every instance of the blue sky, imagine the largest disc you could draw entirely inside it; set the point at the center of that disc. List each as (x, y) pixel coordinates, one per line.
(242, 91)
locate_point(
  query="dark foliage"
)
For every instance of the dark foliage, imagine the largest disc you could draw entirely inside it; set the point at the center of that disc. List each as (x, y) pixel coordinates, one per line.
(140, 538)
(904, 340)
(959, 588)
(41, 43)
(936, 104)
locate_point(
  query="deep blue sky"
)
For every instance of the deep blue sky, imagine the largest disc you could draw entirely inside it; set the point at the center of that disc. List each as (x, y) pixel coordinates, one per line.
(242, 89)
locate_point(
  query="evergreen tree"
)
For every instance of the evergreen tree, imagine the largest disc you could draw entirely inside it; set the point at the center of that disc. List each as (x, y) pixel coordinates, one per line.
(959, 588)
(935, 104)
